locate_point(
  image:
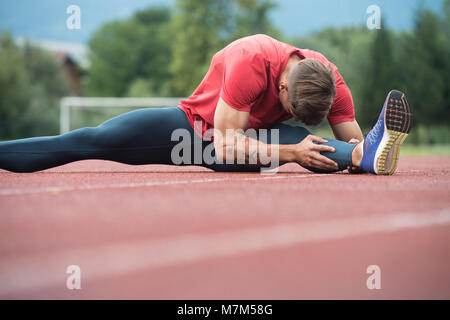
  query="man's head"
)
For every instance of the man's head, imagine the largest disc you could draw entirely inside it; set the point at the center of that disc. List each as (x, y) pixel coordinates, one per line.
(309, 91)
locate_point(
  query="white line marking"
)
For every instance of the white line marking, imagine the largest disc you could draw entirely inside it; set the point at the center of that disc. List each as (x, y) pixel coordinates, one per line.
(28, 274)
(11, 192)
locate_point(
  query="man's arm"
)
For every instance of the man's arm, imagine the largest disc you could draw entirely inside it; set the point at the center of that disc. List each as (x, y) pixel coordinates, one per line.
(345, 131)
(238, 145)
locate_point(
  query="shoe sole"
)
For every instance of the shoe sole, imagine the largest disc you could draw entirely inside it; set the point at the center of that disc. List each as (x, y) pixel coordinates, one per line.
(397, 122)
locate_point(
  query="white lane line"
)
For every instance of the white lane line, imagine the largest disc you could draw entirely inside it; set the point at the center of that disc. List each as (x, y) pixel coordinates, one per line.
(28, 274)
(11, 192)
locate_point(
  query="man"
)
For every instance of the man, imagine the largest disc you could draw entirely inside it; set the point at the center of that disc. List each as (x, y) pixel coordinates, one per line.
(255, 82)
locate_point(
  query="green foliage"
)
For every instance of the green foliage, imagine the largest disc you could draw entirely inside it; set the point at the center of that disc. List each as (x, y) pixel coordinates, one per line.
(201, 28)
(160, 52)
(14, 87)
(373, 62)
(197, 25)
(425, 135)
(425, 59)
(380, 77)
(31, 85)
(252, 17)
(123, 51)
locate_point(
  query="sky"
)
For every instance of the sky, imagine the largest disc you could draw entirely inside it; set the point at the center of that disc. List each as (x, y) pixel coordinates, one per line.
(45, 20)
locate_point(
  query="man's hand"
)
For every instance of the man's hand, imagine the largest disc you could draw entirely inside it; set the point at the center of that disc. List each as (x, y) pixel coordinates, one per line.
(308, 154)
(354, 169)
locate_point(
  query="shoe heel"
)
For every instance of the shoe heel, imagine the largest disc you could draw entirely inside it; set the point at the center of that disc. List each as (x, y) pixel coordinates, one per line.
(388, 160)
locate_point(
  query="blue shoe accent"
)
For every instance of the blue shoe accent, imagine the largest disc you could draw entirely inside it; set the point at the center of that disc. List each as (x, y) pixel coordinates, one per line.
(382, 144)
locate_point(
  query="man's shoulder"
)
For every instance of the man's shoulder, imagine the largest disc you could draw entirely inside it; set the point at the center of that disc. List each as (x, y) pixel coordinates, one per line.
(244, 52)
(254, 44)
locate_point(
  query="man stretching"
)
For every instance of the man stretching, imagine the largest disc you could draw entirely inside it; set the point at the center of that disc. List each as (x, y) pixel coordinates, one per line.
(255, 82)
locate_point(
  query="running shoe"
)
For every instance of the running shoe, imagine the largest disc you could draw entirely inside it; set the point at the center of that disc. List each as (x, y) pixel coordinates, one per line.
(382, 144)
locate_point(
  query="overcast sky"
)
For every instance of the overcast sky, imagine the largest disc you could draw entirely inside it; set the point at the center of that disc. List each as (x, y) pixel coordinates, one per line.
(46, 19)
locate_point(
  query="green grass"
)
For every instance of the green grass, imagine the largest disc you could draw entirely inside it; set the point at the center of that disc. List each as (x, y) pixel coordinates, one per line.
(425, 150)
(408, 149)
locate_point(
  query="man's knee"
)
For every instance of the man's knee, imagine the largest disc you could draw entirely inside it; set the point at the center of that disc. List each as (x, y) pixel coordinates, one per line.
(86, 138)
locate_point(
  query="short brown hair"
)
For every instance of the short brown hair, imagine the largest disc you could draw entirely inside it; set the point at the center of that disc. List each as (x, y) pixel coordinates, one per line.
(311, 90)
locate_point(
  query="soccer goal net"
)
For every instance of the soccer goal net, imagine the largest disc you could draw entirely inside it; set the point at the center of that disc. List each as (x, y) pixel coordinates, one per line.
(80, 111)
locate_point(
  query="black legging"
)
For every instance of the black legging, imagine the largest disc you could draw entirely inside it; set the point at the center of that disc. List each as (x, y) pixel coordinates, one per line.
(138, 137)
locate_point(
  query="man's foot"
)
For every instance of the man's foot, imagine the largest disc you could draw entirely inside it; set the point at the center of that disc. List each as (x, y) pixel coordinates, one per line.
(382, 144)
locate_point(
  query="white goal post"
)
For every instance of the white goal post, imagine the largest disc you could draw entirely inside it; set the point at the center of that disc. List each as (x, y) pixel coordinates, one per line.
(67, 103)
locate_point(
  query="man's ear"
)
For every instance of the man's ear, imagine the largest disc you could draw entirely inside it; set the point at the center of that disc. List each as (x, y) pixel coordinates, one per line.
(283, 85)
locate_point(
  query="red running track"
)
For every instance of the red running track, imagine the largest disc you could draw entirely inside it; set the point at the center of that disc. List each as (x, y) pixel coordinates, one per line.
(160, 232)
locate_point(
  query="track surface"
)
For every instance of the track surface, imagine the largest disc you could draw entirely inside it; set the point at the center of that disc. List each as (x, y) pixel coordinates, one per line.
(160, 232)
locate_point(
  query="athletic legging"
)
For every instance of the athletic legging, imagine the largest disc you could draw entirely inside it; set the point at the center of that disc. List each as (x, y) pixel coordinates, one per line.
(138, 137)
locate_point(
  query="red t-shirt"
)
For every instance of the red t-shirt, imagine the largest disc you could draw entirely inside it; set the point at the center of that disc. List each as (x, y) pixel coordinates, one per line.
(245, 74)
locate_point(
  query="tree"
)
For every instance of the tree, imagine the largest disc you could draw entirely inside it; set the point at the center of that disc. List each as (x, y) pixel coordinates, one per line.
(445, 29)
(201, 28)
(31, 85)
(252, 17)
(426, 60)
(197, 29)
(123, 51)
(155, 53)
(381, 77)
(14, 87)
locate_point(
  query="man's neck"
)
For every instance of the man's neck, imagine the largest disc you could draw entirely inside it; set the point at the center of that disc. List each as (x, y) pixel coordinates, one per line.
(293, 60)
